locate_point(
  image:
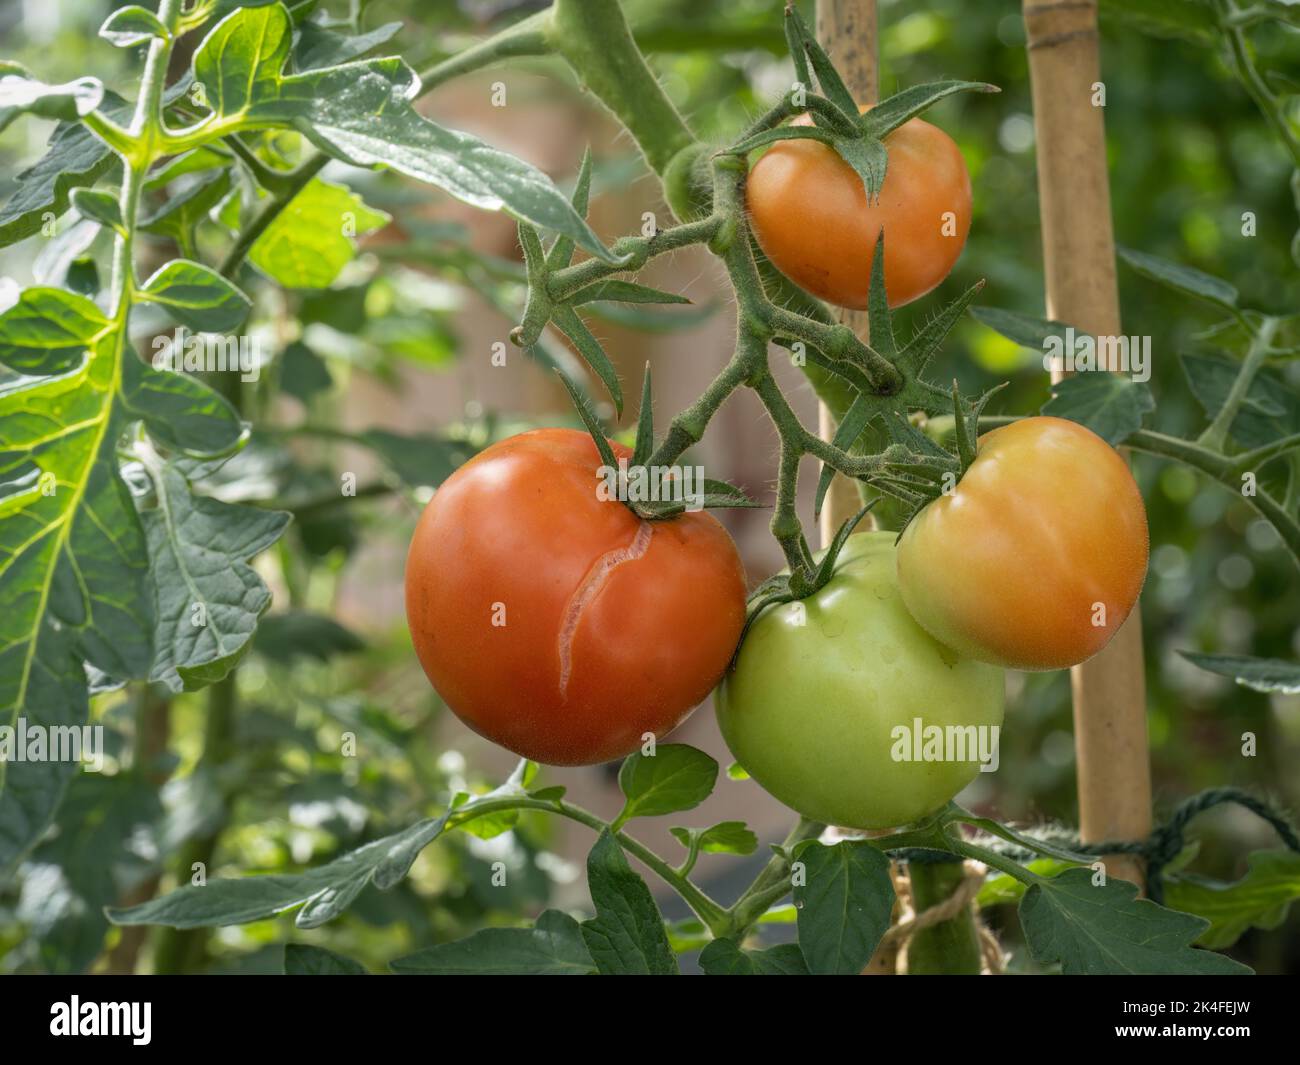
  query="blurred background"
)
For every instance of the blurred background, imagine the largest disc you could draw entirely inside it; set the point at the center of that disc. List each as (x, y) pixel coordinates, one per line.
(402, 343)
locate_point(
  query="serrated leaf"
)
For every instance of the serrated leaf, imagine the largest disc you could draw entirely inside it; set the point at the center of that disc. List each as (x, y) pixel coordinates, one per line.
(195, 195)
(1184, 279)
(76, 157)
(104, 833)
(208, 598)
(298, 634)
(21, 95)
(1260, 899)
(361, 113)
(723, 957)
(99, 207)
(726, 837)
(419, 459)
(317, 46)
(179, 412)
(1270, 409)
(553, 947)
(627, 934)
(303, 960)
(1023, 329)
(312, 238)
(48, 331)
(197, 296)
(676, 777)
(131, 25)
(1110, 404)
(1259, 674)
(844, 905)
(324, 891)
(1093, 930)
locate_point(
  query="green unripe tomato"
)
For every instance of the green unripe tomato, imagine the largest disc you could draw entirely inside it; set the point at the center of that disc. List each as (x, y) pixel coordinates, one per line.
(821, 685)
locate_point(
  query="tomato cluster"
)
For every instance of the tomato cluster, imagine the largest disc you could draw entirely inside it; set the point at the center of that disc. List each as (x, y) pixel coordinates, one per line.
(556, 622)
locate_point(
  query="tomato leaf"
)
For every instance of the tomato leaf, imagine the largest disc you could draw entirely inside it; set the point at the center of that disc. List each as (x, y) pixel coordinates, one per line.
(317, 46)
(1258, 674)
(300, 634)
(131, 25)
(75, 157)
(726, 837)
(1271, 409)
(312, 238)
(723, 957)
(303, 960)
(676, 777)
(844, 901)
(1023, 329)
(1184, 279)
(1093, 930)
(197, 296)
(323, 892)
(552, 947)
(1260, 899)
(1110, 404)
(361, 113)
(99, 207)
(21, 95)
(627, 934)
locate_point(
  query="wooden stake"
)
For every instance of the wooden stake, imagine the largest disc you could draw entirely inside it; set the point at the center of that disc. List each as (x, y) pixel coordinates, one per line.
(847, 30)
(1110, 729)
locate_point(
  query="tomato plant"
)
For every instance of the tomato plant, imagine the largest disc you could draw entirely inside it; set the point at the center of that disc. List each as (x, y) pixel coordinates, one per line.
(1036, 557)
(200, 348)
(827, 692)
(813, 219)
(561, 625)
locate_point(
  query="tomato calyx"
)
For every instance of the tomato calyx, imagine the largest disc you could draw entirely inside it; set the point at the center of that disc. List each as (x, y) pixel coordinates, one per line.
(652, 493)
(833, 116)
(800, 583)
(543, 307)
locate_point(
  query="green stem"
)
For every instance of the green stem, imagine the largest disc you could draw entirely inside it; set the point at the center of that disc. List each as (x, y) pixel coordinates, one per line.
(951, 946)
(772, 884)
(1256, 87)
(593, 37)
(706, 909)
(528, 37)
(1215, 437)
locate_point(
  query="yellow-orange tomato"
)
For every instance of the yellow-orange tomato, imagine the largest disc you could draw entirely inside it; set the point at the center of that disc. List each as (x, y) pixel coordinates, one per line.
(557, 623)
(1037, 556)
(810, 214)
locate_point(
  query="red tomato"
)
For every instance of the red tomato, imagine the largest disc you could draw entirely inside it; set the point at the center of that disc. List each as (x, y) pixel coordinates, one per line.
(810, 214)
(561, 625)
(1037, 556)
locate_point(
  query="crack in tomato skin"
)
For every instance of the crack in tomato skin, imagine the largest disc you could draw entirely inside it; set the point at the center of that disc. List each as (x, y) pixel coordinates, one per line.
(587, 591)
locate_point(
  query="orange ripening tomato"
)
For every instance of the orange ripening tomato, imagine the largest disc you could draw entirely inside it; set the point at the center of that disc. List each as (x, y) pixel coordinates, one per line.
(810, 213)
(1037, 556)
(559, 624)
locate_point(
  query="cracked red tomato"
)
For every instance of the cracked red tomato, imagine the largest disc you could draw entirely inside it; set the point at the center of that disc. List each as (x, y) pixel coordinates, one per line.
(812, 218)
(559, 624)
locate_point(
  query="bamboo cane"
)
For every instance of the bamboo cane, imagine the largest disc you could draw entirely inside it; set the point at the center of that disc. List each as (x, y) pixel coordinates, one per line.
(847, 30)
(1110, 731)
